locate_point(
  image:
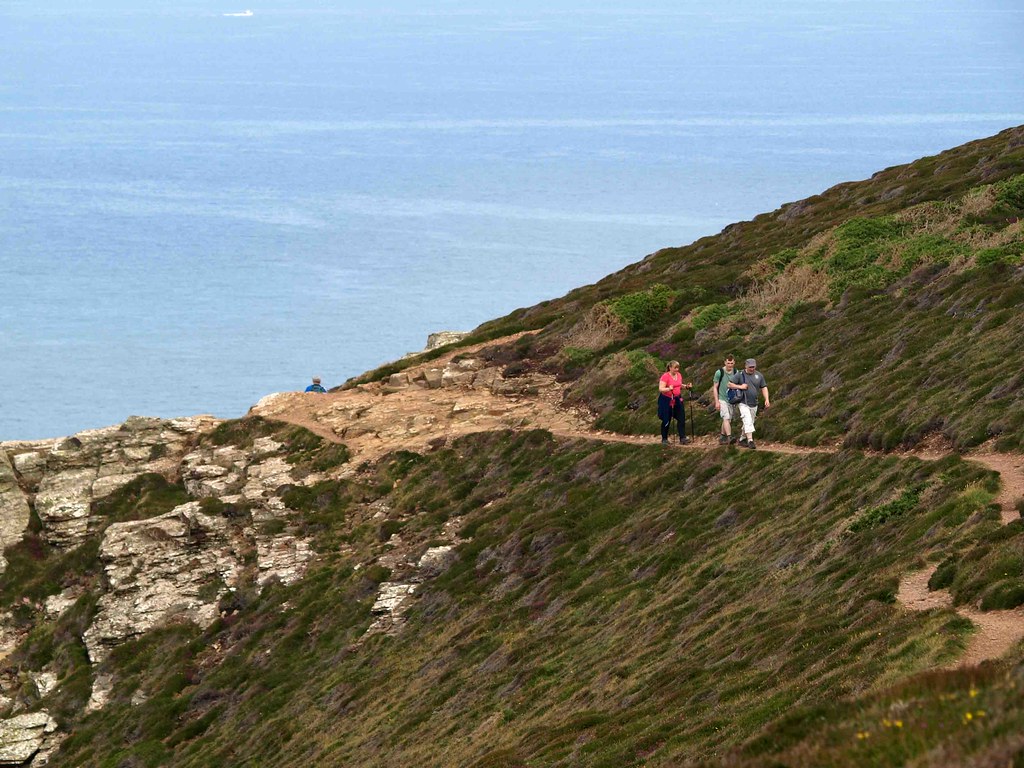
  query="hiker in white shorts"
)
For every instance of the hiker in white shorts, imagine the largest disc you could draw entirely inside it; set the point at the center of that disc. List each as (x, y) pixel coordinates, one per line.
(752, 382)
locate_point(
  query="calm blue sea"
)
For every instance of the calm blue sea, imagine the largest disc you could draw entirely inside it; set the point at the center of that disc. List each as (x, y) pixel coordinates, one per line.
(198, 209)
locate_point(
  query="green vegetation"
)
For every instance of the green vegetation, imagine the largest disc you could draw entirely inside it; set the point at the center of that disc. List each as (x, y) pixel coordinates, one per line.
(35, 570)
(148, 495)
(880, 515)
(576, 357)
(991, 573)
(881, 332)
(711, 314)
(306, 450)
(609, 601)
(322, 507)
(643, 366)
(642, 308)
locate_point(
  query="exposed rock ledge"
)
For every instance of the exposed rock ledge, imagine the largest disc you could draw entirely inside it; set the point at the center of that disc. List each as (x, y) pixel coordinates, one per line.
(61, 478)
(439, 339)
(172, 567)
(22, 737)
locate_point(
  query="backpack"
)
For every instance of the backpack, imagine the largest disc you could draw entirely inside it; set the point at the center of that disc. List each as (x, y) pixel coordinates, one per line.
(735, 396)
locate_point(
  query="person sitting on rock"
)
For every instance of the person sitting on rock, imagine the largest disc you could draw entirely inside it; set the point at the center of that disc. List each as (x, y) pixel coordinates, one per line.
(316, 386)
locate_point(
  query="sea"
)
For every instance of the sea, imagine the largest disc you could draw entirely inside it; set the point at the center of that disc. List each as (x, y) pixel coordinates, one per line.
(205, 202)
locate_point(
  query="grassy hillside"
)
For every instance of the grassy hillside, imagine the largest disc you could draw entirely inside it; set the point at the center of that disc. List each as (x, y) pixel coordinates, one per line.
(878, 331)
(613, 605)
(622, 605)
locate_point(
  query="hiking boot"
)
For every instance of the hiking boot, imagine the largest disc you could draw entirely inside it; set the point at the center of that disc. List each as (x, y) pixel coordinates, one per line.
(743, 443)
(664, 441)
(732, 440)
(750, 445)
(723, 439)
(684, 440)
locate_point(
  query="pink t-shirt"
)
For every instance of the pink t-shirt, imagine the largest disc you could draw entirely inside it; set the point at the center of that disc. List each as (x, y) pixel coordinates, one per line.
(676, 382)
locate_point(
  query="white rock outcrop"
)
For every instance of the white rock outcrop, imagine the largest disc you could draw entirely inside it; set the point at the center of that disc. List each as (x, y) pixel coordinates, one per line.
(175, 566)
(172, 567)
(23, 736)
(62, 478)
(283, 557)
(436, 561)
(394, 598)
(14, 509)
(441, 338)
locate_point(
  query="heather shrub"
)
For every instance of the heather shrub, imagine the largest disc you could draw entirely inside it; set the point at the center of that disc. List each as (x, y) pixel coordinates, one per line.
(703, 317)
(642, 365)
(640, 309)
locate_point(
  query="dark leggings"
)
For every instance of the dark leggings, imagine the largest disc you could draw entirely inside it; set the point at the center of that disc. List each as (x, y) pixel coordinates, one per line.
(666, 412)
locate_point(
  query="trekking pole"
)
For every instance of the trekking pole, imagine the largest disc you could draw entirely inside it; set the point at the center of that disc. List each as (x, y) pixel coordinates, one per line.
(693, 433)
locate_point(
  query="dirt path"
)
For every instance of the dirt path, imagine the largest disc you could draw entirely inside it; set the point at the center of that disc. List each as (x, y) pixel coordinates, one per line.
(1010, 467)
(460, 394)
(997, 631)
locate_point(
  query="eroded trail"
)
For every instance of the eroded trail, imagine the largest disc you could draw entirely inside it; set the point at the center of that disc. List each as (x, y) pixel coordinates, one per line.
(1011, 471)
(462, 393)
(997, 631)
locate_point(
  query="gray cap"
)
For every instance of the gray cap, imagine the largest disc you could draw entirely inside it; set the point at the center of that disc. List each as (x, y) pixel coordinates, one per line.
(751, 363)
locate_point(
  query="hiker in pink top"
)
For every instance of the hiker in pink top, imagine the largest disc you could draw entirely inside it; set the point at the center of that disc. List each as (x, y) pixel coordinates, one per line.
(670, 401)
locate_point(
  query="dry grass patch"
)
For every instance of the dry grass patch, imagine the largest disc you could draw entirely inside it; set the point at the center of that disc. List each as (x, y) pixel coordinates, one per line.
(598, 328)
(797, 284)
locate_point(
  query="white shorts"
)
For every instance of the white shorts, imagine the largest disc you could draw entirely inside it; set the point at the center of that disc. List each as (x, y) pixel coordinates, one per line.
(726, 411)
(747, 414)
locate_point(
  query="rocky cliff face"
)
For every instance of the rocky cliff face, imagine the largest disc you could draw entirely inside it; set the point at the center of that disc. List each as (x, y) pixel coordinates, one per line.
(60, 479)
(26, 737)
(14, 509)
(175, 566)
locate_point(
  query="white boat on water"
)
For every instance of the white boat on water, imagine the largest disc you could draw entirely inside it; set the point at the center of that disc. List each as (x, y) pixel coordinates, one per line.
(243, 13)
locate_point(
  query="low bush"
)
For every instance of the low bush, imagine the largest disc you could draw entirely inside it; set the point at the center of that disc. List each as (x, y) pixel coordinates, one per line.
(643, 366)
(640, 309)
(577, 356)
(1010, 193)
(705, 317)
(1009, 255)
(892, 510)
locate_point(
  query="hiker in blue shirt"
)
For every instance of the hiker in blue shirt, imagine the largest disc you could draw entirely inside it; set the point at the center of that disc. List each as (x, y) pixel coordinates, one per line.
(316, 386)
